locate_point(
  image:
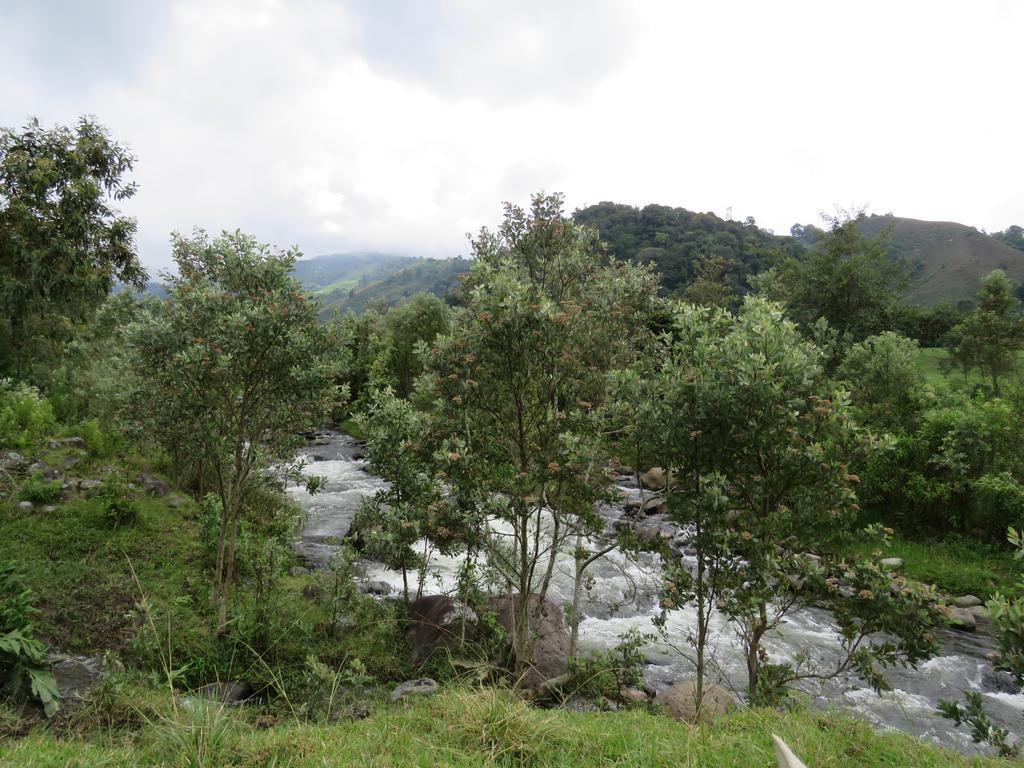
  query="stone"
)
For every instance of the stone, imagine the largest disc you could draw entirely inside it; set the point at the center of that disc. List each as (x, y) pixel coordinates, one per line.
(298, 570)
(962, 618)
(77, 675)
(25, 506)
(966, 601)
(49, 508)
(679, 702)
(999, 681)
(654, 479)
(152, 485)
(632, 506)
(892, 563)
(378, 587)
(633, 696)
(551, 643)
(176, 500)
(12, 459)
(89, 485)
(67, 442)
(980, 613)
(231, 692)
(655, 505)
(439, 622)
(424, 686)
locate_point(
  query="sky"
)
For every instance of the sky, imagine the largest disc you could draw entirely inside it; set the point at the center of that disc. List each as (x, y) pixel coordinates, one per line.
(402, 125)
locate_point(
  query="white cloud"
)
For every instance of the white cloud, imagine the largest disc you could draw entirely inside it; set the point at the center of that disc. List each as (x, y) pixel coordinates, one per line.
(401, 125)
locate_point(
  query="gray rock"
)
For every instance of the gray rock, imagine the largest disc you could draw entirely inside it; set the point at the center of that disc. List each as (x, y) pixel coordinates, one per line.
(421, 687)
(966, 601)
(68, 442)
(893, 563)
(962, 618)
(25, 506)
(152, 485)
(77, 675)
(551, 643)
(298, 570)
(439, 622)
(679, 702)
(90, 484)
(49, 508)
(232, 692)
(12, 459)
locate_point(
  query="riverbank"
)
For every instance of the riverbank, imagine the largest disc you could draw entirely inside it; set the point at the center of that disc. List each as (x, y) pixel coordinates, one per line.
(459, 727)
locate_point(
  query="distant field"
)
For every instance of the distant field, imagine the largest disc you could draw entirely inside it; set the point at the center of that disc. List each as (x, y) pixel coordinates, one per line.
(932, 361)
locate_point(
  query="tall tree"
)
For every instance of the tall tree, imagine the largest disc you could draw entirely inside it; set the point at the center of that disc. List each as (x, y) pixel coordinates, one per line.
(846, 278)
(517, 384)
(989, 337)
(232, 366)
(63, 243)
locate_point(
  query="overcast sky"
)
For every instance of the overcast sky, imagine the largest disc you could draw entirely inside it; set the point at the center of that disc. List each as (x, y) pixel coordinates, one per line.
(402, 125)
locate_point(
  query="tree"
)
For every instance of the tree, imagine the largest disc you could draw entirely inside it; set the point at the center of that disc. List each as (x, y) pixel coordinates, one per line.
(846, 278)
(63, 244)
(711, 287)
(884, 381)
(517, 385)
(231, 368)
(758, 449)
(990, 337)
(416, 321)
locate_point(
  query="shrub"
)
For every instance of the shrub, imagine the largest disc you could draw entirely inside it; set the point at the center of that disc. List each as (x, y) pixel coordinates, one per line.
(116, 502)
(26, 417)
(23, 667)
(605, 673)
(99, 442)
(40, 491)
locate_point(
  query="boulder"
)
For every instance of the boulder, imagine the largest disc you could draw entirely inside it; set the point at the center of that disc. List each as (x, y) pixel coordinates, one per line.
(89, 485)
(152, 485)
(228, 692)
(654, 479)
(25, 506)
(966, 601)
(381, 589)
(438, 621)
(77, 675)
(962, 618)
(298, 570)
(12, 459)
(421, 687)
(892, 563)
(68, 442)
(551, 637)
(679, 702)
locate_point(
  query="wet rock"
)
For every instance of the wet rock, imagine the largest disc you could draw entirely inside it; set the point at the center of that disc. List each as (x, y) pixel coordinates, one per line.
(655, 505)
(25, 506)
(999, 681)
(551, 645)
(632, 506)
(961, 618)
(892, 563)
(421, 687)
(231, 692)
(679, 702)
(966, 601)
(980, 613)
(379, 588)
(633, 695)
(436, 622)
(623, 471)
(846, 591)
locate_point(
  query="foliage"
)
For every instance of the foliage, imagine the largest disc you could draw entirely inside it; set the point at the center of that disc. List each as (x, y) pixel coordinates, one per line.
(846, 278)
(411, 507)
(983, 730)
(26, 417)
(23, 665)
(516, 384)
(116, 502)
(231, 367)
(605, 674)
(989, 337)
(63, 244)
(39, 490)
(882, 375)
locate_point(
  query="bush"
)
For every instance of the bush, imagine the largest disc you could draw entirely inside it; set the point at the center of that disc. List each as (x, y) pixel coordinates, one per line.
(116, 502)
(605, 673)
(99, 442)
(23, 667)
(26, 417)
(40, 491)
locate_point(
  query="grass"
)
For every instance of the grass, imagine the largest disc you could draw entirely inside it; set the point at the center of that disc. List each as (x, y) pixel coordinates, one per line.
(489, 727)
(957, 565)
(931, 364)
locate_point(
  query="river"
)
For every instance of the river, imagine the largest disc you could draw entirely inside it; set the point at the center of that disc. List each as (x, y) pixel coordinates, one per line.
(623, 596)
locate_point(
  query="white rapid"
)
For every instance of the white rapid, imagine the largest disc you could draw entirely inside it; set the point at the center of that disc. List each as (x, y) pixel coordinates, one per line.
(623, 597)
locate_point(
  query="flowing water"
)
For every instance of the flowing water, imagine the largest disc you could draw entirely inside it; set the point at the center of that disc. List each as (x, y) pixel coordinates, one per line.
(623, 597)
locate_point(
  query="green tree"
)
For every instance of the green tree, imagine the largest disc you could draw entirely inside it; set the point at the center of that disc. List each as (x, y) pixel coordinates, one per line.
(989, 338)
(758, 450)
(517, 385)
(882, 375)
(846, 278)
(63, 243)
(405, 327)
(231, 367)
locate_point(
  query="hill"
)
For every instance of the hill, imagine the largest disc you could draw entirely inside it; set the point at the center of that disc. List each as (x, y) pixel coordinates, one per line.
(948, 259)
(674, 240)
